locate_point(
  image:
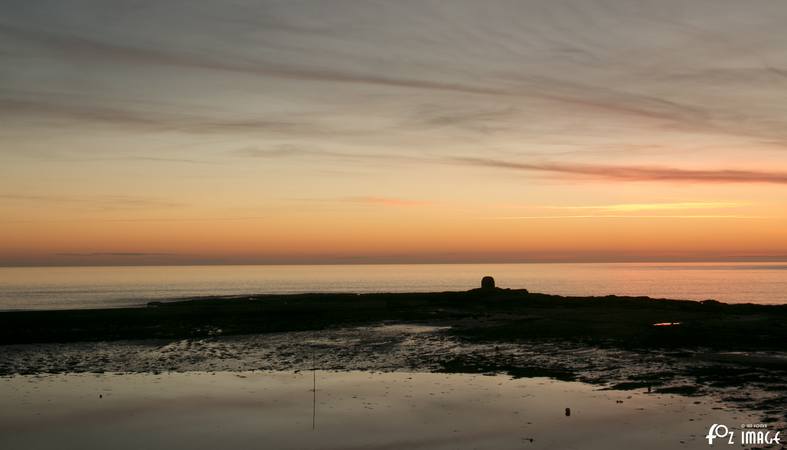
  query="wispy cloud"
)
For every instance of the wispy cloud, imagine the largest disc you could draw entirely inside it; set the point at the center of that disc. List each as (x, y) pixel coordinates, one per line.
(627, 216)
(290, 151)
(101, 202)
(387, 201)
(145, 220)
(129, 254)
(76, 46)
(635, 207)
(484, 120)
(566, 90)
(368, 200)
(634, 173)
(158, 120)
(573, 94)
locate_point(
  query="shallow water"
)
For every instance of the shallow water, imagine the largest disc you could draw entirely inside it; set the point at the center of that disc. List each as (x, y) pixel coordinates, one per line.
(351, 410)
(97, 287)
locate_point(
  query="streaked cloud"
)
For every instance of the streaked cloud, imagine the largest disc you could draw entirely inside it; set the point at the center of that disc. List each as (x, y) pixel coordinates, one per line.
(158, 119)
(237, 120)
(124, 254)
(387, 201)
(94, 202)
(290, 151)
(635, 207)
(634, 173)
(144, 220)
(76, 46)
(576, 170)
(628, 216)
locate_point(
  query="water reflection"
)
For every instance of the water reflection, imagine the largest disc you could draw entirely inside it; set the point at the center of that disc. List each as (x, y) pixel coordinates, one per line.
(353, 410)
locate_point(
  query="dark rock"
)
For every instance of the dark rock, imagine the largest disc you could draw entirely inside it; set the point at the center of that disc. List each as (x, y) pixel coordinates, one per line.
(487, 283)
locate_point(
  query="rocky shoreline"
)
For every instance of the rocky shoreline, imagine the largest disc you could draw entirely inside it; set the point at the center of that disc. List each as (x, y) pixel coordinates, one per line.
(730, 352)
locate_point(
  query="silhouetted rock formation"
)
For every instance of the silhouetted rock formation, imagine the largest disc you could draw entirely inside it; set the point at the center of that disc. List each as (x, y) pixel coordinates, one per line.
(487, 283)
(488, 288)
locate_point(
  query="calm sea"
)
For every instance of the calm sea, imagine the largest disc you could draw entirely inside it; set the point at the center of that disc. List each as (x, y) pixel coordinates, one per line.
(96, 287)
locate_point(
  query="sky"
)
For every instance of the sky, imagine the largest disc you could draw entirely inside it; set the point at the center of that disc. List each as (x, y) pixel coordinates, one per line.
(216, 131)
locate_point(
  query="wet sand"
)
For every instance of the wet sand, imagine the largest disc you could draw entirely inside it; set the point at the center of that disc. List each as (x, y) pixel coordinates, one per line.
(351, 410)
(738, 379)
(729, 359)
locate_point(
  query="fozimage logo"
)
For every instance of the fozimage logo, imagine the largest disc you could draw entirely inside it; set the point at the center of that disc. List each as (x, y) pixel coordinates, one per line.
(757, 433)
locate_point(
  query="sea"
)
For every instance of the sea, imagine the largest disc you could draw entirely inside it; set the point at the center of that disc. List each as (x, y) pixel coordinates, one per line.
(42, 288)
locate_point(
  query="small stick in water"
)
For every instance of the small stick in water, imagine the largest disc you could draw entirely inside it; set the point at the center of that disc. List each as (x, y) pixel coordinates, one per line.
(314, 391)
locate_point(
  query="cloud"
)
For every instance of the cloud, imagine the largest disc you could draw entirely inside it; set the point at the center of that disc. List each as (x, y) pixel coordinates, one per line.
(153, 219)
(153, 159)
(157, 120)
(387, 201)
(130, 254)
(289, 151)
(74, 46)
(484, 120)
(370, 200)
(577, 95)
(634, 207)
(683, 112)
(101, 202)
(627, 216)
(619, 211)
(634, 173)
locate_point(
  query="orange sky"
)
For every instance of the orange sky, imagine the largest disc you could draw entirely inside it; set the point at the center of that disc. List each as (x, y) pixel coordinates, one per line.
(290, 132)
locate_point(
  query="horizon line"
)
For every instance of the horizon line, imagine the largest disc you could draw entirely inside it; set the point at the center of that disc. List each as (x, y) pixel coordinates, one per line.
(741, 259)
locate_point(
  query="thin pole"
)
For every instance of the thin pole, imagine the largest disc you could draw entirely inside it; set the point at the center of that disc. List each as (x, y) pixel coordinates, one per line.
(314, 391)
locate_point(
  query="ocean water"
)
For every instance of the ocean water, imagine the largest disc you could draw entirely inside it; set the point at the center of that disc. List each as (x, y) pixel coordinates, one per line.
(97, 287)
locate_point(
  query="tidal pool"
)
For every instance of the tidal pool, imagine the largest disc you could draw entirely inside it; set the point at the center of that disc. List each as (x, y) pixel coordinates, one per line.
(349, 410)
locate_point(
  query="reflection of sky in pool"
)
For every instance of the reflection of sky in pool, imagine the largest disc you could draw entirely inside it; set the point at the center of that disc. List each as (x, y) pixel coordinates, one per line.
(273, 410)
